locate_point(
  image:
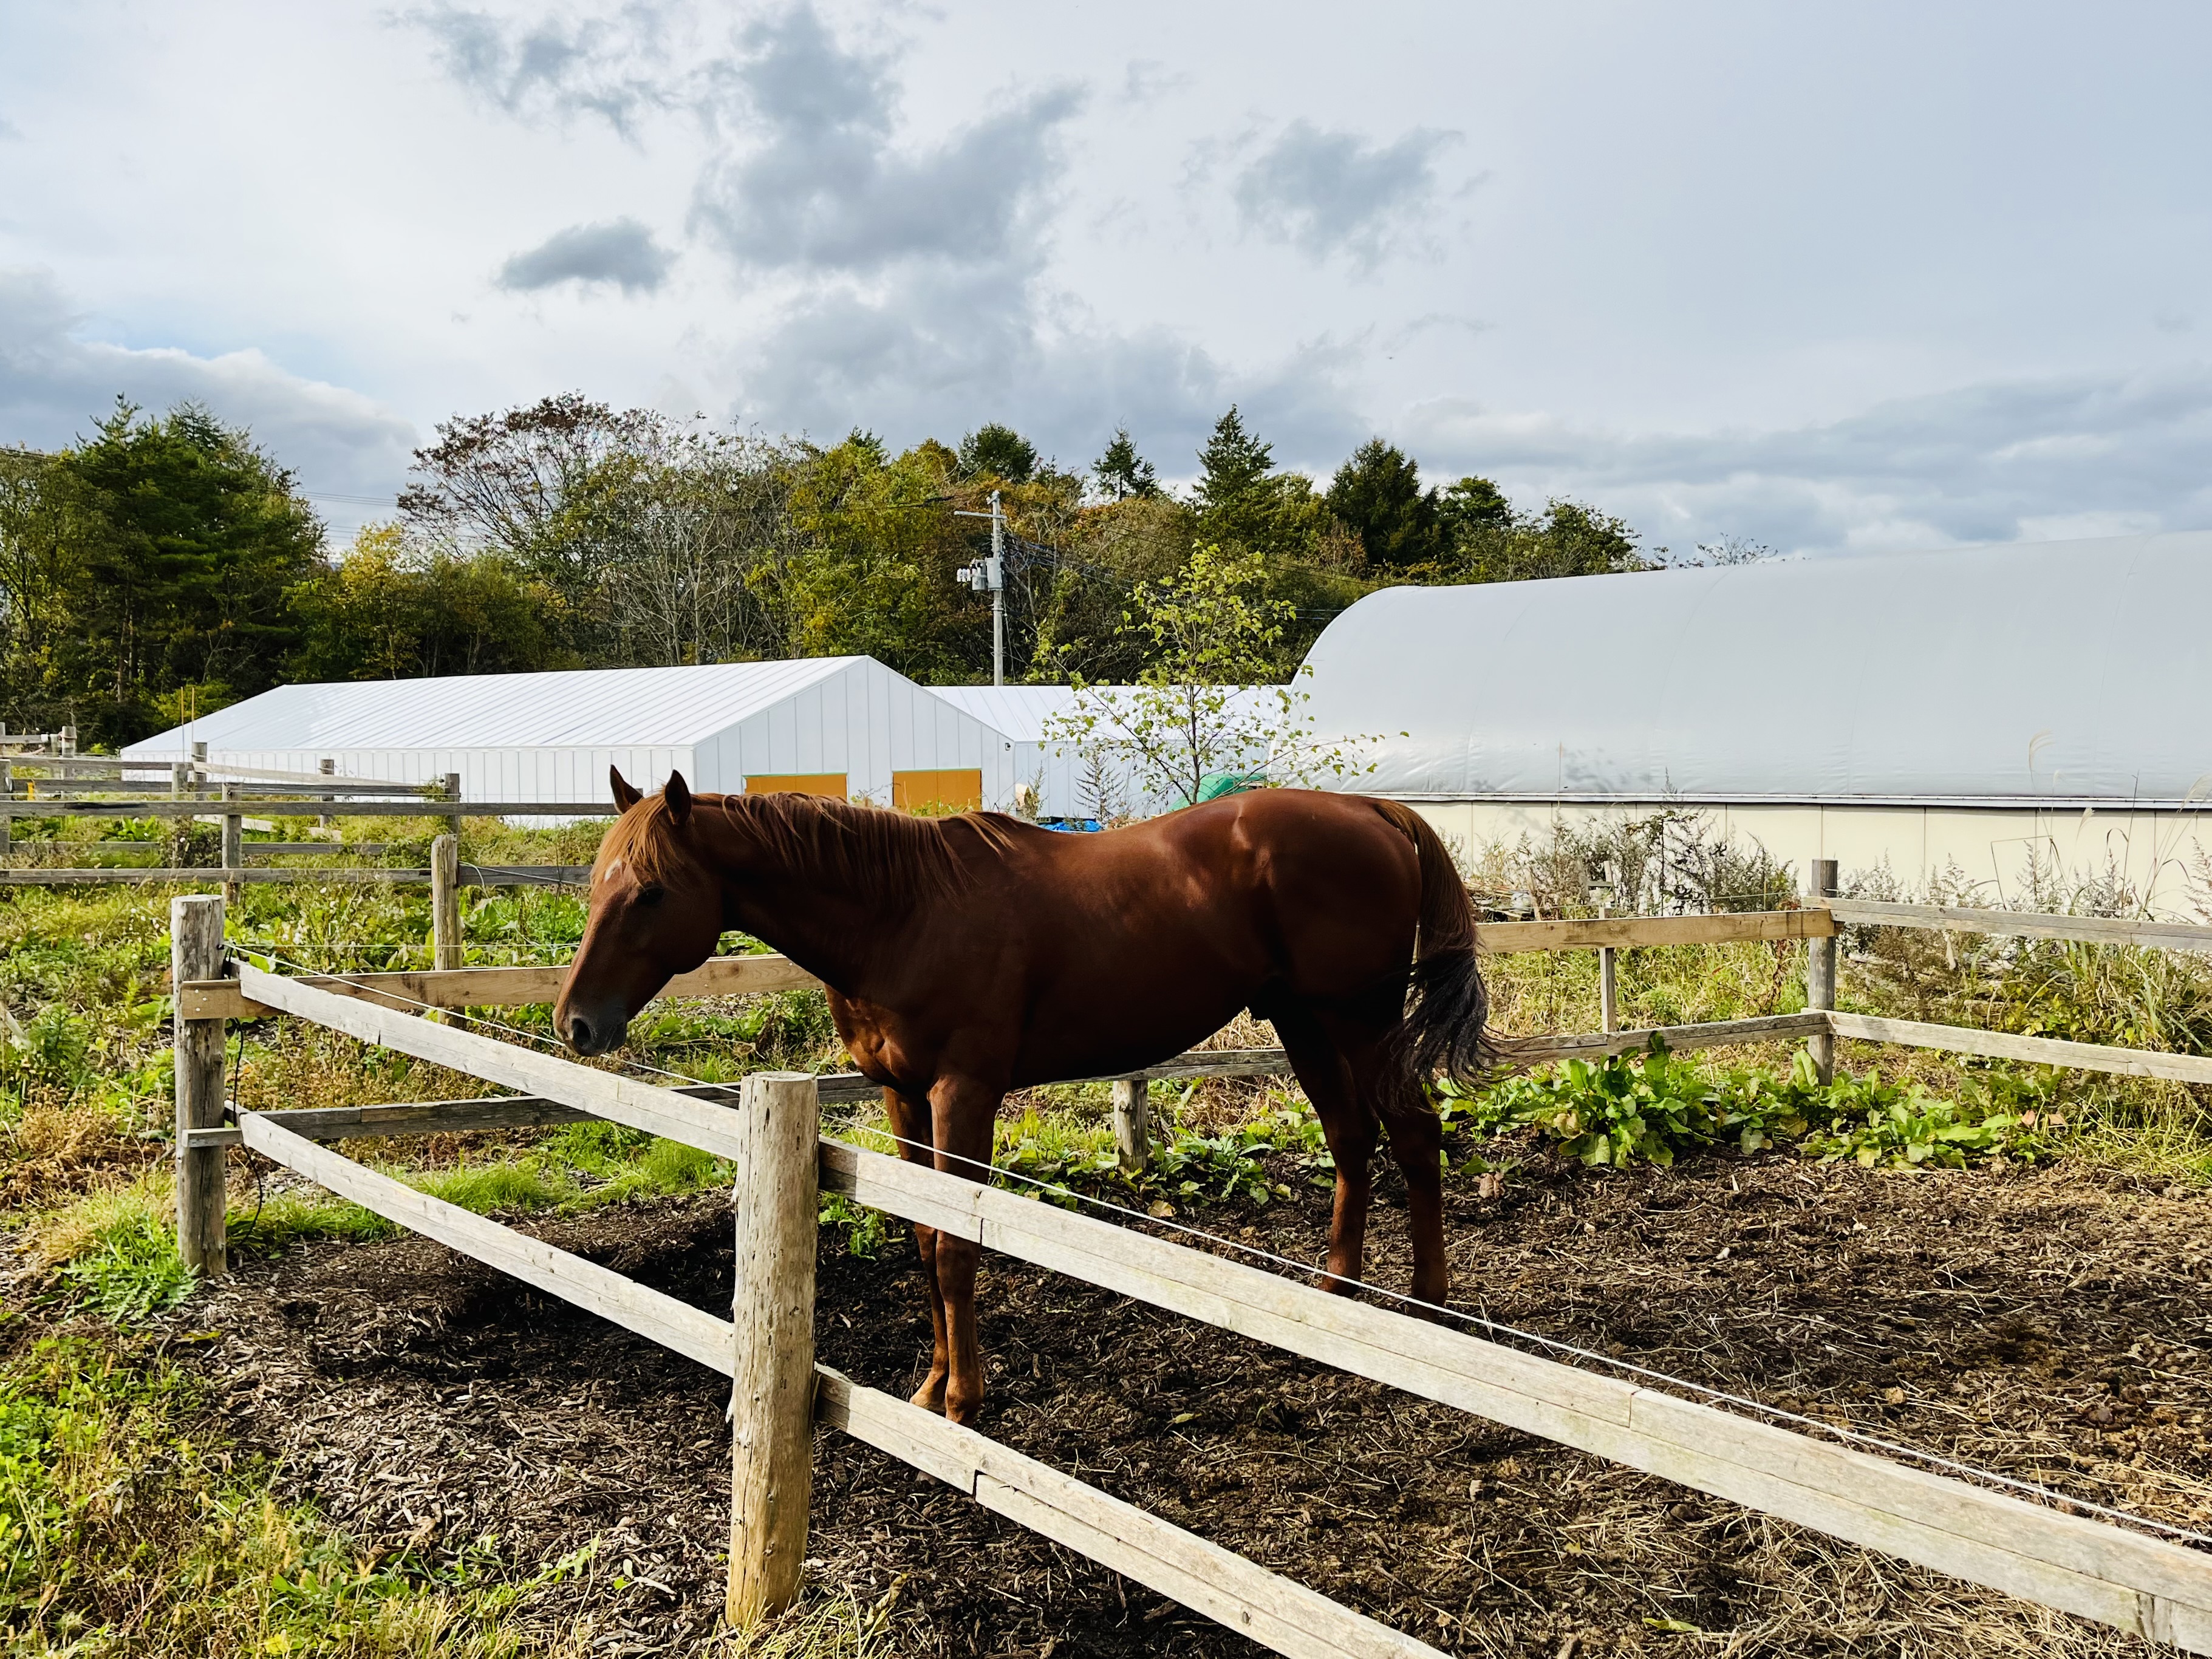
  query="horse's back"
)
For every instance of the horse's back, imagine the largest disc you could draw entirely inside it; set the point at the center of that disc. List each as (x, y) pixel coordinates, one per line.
(1306, 892)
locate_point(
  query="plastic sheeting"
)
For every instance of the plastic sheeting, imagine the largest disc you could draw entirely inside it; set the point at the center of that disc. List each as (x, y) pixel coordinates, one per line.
(2056, 672)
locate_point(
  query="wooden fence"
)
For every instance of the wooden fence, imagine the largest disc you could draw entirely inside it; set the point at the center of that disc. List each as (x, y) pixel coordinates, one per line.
(767, 1126)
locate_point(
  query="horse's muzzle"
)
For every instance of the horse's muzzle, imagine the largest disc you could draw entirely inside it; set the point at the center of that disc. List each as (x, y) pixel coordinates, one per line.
(594, 1033)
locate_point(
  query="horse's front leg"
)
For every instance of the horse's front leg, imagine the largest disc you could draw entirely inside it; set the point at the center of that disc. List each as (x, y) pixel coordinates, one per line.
(962, 1113)
(910, 1123)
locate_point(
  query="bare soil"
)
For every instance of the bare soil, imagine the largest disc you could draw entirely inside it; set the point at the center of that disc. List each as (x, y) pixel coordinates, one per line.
(2039, 1323)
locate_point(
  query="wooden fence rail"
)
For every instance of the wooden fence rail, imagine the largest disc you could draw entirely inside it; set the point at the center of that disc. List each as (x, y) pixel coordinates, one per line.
(1272, 1610)
(308, 807)
(2151, 1587)
(470, 875)
(2023, 924)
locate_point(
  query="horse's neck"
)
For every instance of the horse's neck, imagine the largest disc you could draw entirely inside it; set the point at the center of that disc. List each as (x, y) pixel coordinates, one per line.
(816, 918)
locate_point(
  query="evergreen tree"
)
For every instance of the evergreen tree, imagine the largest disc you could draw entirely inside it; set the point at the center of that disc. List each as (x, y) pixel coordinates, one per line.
(1233, 468)
(995, 451)
(192, 539)
(1377, 494)
(1121, 472)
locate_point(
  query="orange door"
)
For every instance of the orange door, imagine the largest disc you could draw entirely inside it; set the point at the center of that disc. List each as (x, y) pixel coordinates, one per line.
(797, 783)
(956, 789)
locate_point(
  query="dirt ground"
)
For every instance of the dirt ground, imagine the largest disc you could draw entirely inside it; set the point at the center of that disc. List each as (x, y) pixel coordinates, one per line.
(2037, 1323)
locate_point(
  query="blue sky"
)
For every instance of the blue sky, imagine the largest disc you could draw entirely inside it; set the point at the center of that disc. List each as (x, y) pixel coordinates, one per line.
(1879, 277)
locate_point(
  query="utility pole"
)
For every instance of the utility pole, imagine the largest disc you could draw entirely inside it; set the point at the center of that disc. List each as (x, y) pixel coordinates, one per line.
(989, 576)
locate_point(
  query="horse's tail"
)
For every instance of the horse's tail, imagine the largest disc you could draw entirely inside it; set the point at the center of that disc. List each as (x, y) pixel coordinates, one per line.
(1446, 1027)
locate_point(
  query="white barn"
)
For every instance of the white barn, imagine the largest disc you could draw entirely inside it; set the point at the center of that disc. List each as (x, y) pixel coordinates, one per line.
(839, 725)
(1967, 707)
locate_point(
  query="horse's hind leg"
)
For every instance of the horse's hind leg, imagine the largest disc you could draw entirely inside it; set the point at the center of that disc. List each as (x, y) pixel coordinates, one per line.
(910, 1123)
(1349, 1128)
(1417, 1143)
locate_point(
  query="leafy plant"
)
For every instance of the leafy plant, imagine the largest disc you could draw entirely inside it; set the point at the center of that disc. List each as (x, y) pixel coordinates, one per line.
(865, 1231)
(1653, 1107)
(1887, 1125)
(134, 1272)
(1620, 1111)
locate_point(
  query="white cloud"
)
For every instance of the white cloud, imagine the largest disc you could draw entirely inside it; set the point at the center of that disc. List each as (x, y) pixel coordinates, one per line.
(622, 252)
(1998, 461)
(54, 386)
(1329, 192)
(615, 68)
(828, 185)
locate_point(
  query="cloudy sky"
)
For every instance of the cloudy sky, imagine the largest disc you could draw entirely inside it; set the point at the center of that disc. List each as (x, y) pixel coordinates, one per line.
(1832, 278)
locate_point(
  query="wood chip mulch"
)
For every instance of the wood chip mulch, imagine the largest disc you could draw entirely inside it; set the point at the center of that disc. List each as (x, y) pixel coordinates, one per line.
(2037, 1323)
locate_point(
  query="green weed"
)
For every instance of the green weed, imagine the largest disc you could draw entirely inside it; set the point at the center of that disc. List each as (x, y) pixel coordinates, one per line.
(865, 1232)
(1653, 1107)
(124, 1530)
(134, 1272)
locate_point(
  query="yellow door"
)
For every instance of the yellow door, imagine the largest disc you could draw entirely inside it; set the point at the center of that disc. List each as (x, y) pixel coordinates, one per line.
(797, 783)
(956, 789)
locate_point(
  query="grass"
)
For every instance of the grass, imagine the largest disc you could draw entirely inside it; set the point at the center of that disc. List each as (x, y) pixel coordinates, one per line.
(127, 1527)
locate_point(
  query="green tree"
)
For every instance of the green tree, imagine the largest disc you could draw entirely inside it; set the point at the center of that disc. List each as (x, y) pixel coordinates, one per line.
(1121, 472)
(191, 541)
(1566, 539)
(41, 535)
(1377, 496)
(1111, 548)
(390, 609)
(993, 451)
(877, 545)
(1201, 713)
(1471, 507)
(1235, 495)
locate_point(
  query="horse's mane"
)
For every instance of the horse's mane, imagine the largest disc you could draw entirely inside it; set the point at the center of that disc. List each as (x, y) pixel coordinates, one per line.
(884, 857)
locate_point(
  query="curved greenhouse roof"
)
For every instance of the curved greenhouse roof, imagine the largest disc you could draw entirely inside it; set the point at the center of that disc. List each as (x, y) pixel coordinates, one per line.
(2056, 672)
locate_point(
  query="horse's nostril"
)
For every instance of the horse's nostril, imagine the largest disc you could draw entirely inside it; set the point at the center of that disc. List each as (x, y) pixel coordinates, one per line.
(580, 1035)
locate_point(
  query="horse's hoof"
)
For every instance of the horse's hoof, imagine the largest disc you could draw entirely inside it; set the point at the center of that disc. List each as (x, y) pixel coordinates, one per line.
(963, 1412)
(930, 1396)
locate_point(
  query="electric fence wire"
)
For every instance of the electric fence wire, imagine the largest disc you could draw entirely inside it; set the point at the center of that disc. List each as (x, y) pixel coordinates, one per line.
(2049, 1496)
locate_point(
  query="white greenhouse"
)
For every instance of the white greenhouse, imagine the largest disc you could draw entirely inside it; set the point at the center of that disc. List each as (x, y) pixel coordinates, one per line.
(1971, 707)
(836, 725)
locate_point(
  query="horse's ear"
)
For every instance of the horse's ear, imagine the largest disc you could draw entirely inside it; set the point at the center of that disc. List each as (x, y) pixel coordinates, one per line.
(677, 794)
(625, 797)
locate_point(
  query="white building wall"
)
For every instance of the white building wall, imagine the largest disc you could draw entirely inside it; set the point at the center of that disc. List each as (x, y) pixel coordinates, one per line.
(726, 723)
(2162, 855)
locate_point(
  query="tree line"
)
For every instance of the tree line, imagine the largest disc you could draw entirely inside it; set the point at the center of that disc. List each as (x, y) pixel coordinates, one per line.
(167, 565)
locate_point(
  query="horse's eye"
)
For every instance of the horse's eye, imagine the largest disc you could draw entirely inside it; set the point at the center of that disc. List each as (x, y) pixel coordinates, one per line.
(651, 895)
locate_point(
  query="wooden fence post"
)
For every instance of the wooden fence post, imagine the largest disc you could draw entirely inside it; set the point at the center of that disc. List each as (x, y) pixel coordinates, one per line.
(7, 795)
(233, 845)
(446, 902)
(195, 953)
(1820, 974)
(454, 792)
(778, 1127)
(1132, 1126)
(1608, 983)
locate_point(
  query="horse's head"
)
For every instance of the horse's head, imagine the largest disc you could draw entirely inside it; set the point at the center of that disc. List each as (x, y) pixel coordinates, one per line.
(656, 911)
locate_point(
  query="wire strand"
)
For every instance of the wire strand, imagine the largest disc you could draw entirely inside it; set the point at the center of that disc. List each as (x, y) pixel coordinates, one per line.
(1852, 1436)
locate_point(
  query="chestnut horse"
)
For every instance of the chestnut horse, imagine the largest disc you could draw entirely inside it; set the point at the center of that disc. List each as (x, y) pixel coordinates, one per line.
(967, 955)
